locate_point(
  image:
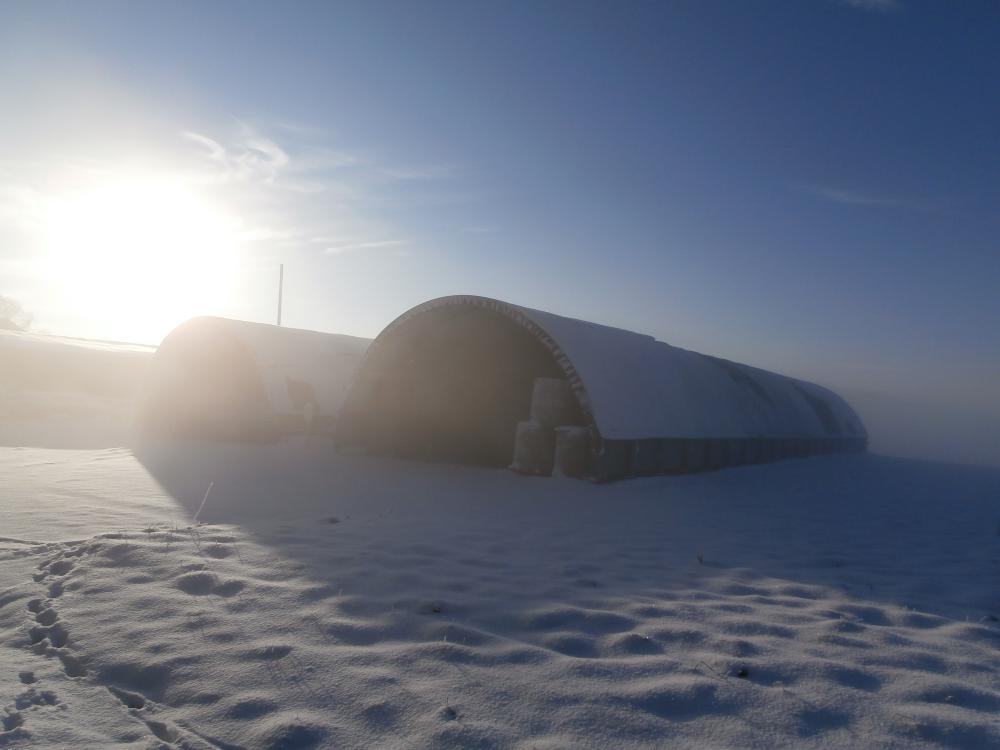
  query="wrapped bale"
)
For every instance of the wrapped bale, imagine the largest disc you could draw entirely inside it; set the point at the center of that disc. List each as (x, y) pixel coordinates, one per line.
(572, 454)
(534, 449)
(553, 403)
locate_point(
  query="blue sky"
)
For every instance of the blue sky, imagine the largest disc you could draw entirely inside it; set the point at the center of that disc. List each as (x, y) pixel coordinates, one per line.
(807, 185)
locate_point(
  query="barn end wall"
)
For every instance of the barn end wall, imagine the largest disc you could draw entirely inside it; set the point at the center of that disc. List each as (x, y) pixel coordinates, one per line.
(203, 383)
(450, 384)
(228, 379)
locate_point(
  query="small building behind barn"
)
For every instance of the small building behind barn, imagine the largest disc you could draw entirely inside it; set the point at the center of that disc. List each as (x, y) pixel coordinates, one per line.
(476, 380)
(230, 379)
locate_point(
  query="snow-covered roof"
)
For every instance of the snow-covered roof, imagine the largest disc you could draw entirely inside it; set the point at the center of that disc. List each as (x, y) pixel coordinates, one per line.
(326, 361)
(635, 387)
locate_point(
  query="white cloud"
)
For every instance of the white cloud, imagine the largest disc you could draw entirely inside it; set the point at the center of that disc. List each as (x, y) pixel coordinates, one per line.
(351, 246)
(306, 167)
(310, 192)
(248, 157)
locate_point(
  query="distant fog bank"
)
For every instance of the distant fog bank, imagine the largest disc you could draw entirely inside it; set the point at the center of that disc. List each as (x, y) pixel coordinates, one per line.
(935, 431)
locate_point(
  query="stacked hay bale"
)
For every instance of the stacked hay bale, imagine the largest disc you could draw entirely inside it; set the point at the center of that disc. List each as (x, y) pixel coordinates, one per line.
(552, 438)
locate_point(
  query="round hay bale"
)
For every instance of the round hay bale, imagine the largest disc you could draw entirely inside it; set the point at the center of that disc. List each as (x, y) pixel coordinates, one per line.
(553, 403)
(572, 455)
(534, 449)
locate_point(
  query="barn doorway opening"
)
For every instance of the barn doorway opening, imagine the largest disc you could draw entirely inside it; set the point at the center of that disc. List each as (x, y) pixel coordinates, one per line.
(449, 384)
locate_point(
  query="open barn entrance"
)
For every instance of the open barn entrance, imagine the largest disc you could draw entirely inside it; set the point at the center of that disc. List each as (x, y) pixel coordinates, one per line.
(448, 384)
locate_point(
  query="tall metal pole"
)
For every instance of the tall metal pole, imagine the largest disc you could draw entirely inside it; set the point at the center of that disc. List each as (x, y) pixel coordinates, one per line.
(281, 284)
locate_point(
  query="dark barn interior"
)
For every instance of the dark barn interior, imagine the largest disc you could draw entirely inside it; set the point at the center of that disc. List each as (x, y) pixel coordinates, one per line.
(449, 384)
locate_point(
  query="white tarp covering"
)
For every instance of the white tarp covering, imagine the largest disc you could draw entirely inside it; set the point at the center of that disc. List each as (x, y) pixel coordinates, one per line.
(285, 357)
(639, 387)
(636, 387)
(207, 360)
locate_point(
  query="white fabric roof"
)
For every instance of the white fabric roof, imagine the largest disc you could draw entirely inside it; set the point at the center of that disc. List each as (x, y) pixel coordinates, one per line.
(636, 387)
(327, 361)
(639, 387)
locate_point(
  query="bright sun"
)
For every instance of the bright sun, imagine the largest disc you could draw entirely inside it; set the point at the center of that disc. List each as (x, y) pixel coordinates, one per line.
(137, 256)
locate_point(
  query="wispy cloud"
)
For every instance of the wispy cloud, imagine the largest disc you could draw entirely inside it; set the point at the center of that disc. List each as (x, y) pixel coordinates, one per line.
(852, 197)
(425, 172)
(281, 192)
(348, 246)
(879, 6)
(250, 156)
(314, 194)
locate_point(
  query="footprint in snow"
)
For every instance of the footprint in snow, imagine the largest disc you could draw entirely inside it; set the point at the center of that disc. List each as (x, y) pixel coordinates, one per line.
(32, 697)
(197, 583)
(203, 583)
(61, 567)
(11, 721)
(72, 664)
(251, 708)
(56, 634)
(218, 551)
(270, 652)
(128, 698)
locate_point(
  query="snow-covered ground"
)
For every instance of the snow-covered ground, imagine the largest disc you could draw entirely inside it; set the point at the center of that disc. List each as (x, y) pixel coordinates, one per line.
(345, 601)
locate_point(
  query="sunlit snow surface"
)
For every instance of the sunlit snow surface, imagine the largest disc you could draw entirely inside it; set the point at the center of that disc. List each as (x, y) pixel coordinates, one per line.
(345, 601)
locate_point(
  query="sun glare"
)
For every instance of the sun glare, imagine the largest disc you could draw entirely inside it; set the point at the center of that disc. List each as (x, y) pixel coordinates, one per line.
(136, 256)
